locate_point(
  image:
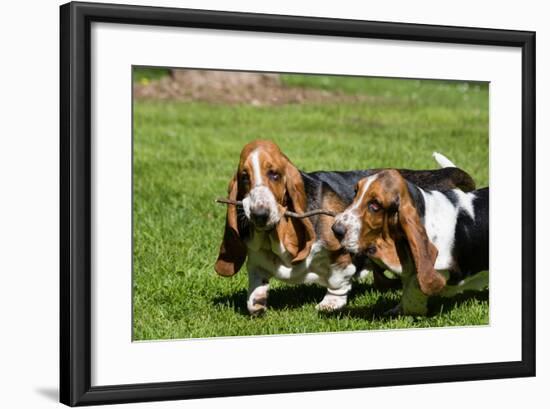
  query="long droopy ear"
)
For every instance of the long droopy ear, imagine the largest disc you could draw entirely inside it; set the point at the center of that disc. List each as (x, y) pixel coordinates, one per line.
(297, 235)
(423, 251)
(232, 250)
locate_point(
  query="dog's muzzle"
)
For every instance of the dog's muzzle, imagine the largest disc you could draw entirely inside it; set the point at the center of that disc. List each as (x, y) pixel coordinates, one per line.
(339, 230)
(261, 208)
(260, 216)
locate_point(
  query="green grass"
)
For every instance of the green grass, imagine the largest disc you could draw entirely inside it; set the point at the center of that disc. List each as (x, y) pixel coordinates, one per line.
(185, 154)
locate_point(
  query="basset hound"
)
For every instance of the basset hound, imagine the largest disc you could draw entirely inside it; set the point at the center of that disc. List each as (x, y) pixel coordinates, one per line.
(297, 250)
(436, 240)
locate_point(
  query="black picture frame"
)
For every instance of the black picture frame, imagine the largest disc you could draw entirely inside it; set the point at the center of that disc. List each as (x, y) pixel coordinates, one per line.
(76, 199)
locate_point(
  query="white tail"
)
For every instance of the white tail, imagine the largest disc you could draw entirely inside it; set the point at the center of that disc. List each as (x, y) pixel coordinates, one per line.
(443, 161)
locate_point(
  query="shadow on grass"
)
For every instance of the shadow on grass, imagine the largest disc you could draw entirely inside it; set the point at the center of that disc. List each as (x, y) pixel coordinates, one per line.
(236, 300)
(442, 305)
(384, 303)
(287, 297)
(387, 301)
(292, 297)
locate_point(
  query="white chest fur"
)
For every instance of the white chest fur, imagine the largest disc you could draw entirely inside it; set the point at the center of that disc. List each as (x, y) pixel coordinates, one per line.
(268, 258)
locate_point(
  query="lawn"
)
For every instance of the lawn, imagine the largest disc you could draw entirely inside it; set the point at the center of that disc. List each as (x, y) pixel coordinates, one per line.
(185, 154)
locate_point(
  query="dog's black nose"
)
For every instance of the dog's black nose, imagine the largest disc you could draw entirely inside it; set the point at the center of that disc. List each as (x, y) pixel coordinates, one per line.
(260, 216)
(339, 230)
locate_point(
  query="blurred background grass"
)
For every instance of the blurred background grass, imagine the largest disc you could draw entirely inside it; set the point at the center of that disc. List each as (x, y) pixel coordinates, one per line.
(186, 152)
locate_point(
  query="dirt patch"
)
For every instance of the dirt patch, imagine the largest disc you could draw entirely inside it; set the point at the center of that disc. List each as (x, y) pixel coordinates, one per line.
(233, 88)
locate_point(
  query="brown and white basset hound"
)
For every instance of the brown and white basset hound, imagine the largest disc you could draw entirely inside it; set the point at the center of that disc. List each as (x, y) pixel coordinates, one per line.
(297, 250)
(436, 240)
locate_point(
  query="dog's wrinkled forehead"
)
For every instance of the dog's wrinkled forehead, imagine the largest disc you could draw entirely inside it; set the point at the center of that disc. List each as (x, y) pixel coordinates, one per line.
(268, 148)
(259, 157)
(385, 187)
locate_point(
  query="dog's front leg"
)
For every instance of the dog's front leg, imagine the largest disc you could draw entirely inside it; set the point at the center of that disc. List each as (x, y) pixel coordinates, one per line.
(339, 285)
(258, 288)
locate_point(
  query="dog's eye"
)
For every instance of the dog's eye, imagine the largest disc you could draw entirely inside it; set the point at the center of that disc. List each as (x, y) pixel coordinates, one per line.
(272, 175)
(245, 178)
(374, 206)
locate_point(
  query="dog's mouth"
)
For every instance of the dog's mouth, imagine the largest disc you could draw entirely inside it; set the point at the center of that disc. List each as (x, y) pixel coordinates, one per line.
(261, 226)
(350, 248)
(264, 221)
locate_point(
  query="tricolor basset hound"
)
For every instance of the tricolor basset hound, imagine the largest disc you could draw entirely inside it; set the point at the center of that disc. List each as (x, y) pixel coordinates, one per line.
(297, 250)
(437, 241)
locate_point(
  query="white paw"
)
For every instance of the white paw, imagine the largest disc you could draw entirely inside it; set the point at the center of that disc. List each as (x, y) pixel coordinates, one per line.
(257, 302)
(256, 309)
(332, 302)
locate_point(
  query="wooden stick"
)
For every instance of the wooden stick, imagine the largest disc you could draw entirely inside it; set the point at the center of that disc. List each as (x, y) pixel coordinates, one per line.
(287, 212)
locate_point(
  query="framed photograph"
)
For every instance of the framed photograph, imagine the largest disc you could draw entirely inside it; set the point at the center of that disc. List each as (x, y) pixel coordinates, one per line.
(257, 204)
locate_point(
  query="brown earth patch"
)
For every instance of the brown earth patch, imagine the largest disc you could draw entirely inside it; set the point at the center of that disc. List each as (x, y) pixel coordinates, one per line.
(226, 87)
